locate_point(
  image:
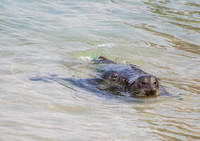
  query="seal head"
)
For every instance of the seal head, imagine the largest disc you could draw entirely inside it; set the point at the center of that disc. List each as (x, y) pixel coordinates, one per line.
(144, 86)
(116, 79)
(114, 76)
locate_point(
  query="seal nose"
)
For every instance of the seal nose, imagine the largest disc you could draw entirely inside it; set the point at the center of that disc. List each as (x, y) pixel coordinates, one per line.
(150, 92)
(153, 89)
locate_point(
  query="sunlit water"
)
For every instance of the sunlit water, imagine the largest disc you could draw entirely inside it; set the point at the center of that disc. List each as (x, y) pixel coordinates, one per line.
(38, 38)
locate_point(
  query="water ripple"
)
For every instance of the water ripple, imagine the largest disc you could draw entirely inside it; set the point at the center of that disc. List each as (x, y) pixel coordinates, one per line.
(61, 37)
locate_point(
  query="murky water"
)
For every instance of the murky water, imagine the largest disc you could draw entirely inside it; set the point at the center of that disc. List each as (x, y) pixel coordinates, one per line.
(61, 37)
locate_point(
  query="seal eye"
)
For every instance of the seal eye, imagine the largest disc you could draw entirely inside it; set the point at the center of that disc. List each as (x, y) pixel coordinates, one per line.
(155, 83)
(143, 83)
(115, 76)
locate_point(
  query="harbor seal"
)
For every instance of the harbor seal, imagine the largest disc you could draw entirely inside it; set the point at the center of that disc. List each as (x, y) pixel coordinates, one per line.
(114, 78)
(134, 80)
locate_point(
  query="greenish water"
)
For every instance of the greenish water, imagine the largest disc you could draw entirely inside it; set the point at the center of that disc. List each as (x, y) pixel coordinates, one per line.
(61, 37)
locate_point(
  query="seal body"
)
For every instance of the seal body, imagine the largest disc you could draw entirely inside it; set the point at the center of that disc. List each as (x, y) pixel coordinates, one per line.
(134, 80)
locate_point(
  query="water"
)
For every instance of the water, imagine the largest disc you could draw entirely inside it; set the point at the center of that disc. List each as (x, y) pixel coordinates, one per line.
(61, 37)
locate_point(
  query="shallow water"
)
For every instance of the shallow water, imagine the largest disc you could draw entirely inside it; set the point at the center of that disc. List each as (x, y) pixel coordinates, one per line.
(38, 38)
